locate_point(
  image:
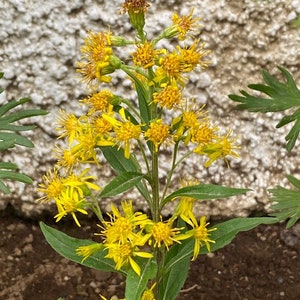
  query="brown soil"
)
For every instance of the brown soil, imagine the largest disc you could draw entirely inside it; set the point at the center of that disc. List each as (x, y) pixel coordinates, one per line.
(261, 264)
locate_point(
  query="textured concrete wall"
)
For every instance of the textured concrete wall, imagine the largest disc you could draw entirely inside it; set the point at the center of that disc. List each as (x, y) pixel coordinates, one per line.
(40, 44)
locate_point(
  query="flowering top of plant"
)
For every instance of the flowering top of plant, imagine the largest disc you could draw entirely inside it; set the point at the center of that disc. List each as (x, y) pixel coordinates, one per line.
(119, 127)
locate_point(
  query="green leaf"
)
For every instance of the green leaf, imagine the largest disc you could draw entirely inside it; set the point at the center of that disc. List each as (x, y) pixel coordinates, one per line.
(121, 183)
(22, 114)
(66, 246)
(205, 192)
(15, 176)
(143, 98)
(6, 144)
(286, 202)
(177, 266)
(11, 104)
(121, 164)
(8, 165)
(18, 139)
(135, 285)
(280, 96)
(117, 160)
(11, 127)
(4, 188)
(227, 230)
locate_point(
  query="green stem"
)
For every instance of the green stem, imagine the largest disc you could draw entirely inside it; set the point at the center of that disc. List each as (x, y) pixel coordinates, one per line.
(96, 209)
(144, 156)
(131, 107)
(170, 174)
(155, 187)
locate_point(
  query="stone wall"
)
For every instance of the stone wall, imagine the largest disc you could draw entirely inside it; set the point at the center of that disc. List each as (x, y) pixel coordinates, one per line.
(40, 44)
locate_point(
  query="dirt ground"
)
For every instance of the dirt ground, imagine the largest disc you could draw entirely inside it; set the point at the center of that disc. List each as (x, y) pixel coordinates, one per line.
(261, 264)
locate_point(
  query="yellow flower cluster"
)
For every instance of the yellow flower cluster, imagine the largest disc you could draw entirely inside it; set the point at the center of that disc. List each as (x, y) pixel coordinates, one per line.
(69, 193)
(128, 232)
(160, 116)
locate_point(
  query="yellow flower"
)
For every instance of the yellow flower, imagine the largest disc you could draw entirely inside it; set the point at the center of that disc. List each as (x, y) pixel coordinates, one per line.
(52, 186)
(81, 182)
(89, 250)
(169, 96)
(145, 55)
(203, 134)
(148, 293)
(99, 102)
(122, 254)
(190, 118)
(220, 148)
(69, 125)
(163, 233)
(112, 298)
(65, 158)
(157, 133)
(192, 56)
(123, 227)
(183, 25)
(102, 126)
(70, 202)
(97, 53)
(201, 235)
(125, 131)
(170, 69)
(86, 143)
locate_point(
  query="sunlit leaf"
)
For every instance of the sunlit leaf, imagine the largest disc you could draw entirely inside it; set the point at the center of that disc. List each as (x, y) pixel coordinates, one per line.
(205, 192)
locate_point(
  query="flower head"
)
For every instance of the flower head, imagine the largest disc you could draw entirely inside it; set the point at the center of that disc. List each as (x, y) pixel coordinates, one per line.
(123, 226)
(163, 234)
(52, 186)
(136, 10)
(222, 147)
(125, 131)
(99, 102)
(68, 124)
(70, 202)
(169, 96)
(89, 250)
(192, 56)
(145, 55)
(157, 133)
(200, 233)
(184, 24)
(97, 53)
(123, 254)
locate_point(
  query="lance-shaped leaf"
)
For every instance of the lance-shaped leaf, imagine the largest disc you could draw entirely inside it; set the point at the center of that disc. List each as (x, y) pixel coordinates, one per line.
(177, 264)
(121, 183)
(204, 192)
(18, 139)
(179, 255)
(135, 285)
(143, 97)
(66, 246)
(121, 164)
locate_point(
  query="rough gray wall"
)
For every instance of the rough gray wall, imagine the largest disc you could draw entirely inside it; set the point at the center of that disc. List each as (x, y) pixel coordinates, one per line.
(40, 44)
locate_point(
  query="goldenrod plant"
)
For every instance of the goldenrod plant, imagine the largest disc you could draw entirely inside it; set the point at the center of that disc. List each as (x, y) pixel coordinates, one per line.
(10, 137)
(152, 251)
(275, 96)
